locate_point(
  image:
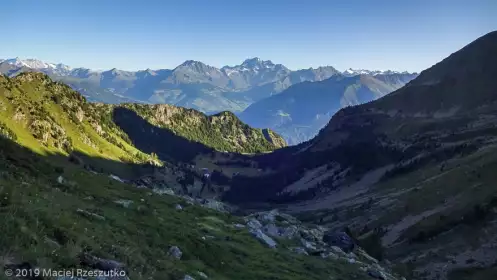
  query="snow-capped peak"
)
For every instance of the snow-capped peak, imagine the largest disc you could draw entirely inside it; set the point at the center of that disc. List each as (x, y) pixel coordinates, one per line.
(37, 64)
(353, 72)
(257, 63)
(349, 71)
(16, 62)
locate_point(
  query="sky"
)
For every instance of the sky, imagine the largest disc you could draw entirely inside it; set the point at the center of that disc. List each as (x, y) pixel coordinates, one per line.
(133, 35)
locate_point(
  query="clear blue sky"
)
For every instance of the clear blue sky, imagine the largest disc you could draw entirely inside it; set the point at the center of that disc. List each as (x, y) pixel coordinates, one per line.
(131, 35)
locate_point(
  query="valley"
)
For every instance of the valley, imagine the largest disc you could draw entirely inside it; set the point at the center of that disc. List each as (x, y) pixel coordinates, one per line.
(244, 169)
(409, 177)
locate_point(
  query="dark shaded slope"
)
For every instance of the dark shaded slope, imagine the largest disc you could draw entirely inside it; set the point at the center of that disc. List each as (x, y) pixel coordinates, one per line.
(222, 131)
(416, 119)
(152, 139)
(463, 81)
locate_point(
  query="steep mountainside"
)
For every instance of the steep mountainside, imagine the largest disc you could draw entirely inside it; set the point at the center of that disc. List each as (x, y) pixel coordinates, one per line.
(299, 112)
(50, 118)
(222, 131)
(411, 174)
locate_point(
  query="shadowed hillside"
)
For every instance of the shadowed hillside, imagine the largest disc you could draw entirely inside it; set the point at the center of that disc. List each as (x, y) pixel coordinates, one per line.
(56, 214)
(49, 116)
(152, 139)
(411, 172)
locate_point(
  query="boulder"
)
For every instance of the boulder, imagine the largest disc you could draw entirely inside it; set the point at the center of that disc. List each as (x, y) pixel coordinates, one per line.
(365, 255)
(90, 214)
(175, 252)
(163, 191)
(124, 202)
(268, 217)
(288, 218)
(100, 263)
(178, 207)
(315, 234)
(238, 226)
(189, 200)
(341, 240)
(215, 205)
(188, 277)
(307, 244)
(271, 230)
(352, 255)
(257, 233)
(203, 275)
(299, 250)
(331, 255)
(254, 224)
(289, 232)
(337, 250)
(376, 274)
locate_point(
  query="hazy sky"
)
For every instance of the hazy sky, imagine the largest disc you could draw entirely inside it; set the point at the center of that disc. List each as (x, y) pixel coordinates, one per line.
(131, 35)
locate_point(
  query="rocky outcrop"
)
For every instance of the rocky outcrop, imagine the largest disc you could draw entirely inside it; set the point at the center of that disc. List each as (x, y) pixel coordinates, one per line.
(341, 240)
(272, 226)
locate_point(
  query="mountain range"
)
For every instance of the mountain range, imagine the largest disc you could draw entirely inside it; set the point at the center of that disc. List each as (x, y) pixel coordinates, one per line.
(192, 84)
(208, 89)
(299, 112)
(406, 176)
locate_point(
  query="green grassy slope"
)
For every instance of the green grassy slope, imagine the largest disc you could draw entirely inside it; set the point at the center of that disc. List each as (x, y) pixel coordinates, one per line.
(222, 131)
(40, 225)
(48, 116)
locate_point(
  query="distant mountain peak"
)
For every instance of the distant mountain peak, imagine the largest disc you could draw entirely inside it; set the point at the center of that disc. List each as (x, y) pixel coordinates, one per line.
(15, 61)
(257, 63)
(38, 65)
(192, 63)
(252, 60)
(353, 72)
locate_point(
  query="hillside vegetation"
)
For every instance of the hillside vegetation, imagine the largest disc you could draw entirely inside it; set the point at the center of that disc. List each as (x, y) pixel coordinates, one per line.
(49, 116)
(222, 131)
